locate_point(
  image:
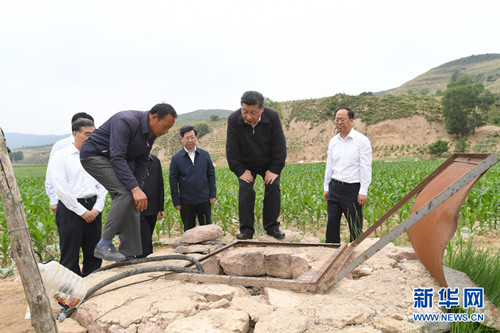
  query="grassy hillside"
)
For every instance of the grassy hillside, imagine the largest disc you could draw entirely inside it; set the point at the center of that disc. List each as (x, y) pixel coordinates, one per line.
(370, 109)
(200, 115)
(35, 155)
(483, 68)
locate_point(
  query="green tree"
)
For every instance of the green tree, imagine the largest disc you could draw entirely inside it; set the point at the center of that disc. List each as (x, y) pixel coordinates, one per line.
(214, 117)
(202, 129)
(461, 145)
(424, 91)
(438, 148)
(274, 105)
(16, 156)
(494, 115)
(456, 74)
(465, 105)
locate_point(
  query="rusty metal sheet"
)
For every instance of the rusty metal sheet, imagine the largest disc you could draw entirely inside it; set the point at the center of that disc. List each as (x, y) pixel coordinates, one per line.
(432, 234)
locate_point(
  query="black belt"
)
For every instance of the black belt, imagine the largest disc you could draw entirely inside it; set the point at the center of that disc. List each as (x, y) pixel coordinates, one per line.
(342, 183)
(87, 200)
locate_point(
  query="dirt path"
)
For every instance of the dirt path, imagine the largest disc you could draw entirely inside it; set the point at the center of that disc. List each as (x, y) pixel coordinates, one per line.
(13, 307)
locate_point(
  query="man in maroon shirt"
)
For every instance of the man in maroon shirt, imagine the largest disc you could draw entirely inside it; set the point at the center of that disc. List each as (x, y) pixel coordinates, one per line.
(116, 155)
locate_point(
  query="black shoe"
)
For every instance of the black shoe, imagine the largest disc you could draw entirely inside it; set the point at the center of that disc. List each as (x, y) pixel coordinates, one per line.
(244, 235)
(278, 234)
(108, 253)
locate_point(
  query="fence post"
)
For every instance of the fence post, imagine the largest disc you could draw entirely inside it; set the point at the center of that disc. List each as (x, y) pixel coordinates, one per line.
(21, 249)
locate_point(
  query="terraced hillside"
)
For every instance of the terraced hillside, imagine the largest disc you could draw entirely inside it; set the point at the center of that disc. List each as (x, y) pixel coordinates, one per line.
(483, 68)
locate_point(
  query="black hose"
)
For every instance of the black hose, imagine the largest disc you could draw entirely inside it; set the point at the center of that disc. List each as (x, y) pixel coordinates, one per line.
(150, 259)
(149, 269)
(66, 313)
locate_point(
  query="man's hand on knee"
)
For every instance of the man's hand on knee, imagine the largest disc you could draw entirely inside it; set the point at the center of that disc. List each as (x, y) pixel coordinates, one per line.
(270, 177)
(140, 199)
(247, 176)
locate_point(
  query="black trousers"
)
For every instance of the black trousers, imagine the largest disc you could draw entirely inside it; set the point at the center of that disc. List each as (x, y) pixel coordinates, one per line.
(190, 212)
(75, 233)
(148, 223)
(343, 199)
(246, 205)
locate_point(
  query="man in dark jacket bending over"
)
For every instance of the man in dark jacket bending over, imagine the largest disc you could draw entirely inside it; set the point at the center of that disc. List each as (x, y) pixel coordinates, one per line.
(256, 145)
(116, 155)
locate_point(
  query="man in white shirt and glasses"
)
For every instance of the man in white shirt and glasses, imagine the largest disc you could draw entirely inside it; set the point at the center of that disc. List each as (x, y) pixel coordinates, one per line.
(348, 175)
(68, 141)
(81, 200)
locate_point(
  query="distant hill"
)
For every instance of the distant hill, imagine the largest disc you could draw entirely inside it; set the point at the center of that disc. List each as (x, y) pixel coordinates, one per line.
(399, 122)
(200, 115)
(18, 140)
(484, 68)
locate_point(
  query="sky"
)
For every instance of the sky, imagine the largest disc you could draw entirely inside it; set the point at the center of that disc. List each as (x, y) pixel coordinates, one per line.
(100, 57)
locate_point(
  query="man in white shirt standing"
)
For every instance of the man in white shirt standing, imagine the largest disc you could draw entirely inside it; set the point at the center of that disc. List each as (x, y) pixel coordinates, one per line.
(49, 188)
(81, 200)
(348, 175)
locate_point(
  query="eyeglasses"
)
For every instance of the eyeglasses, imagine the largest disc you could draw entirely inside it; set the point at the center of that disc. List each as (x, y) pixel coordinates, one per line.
(340, 120)
(189, 138)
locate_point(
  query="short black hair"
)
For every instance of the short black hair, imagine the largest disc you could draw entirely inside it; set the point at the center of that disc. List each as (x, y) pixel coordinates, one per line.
(163, 110)
(350, 113)
(77, 125)
(187, 128)
(81, 115)
(252, 98)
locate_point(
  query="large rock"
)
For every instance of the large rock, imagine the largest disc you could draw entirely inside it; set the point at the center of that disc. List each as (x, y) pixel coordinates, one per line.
(196, 248)
(213, 321)
(329, 312)
(201, 233)
(299, 265)
(70, 326)
(243, 263)
(277, 321)
(247, 263)
(283, 298)
(278, 265)
(222, 303)
(391, 325)
(215, 292)
(257, 307)
(212, 266)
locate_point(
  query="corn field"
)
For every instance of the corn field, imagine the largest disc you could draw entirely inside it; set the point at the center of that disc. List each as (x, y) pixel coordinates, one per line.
(302, 205)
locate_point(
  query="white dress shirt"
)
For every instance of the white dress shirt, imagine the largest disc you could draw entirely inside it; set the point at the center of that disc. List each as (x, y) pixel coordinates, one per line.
(49, 188)
(72, 182)
(191, 155)
(349, 160)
